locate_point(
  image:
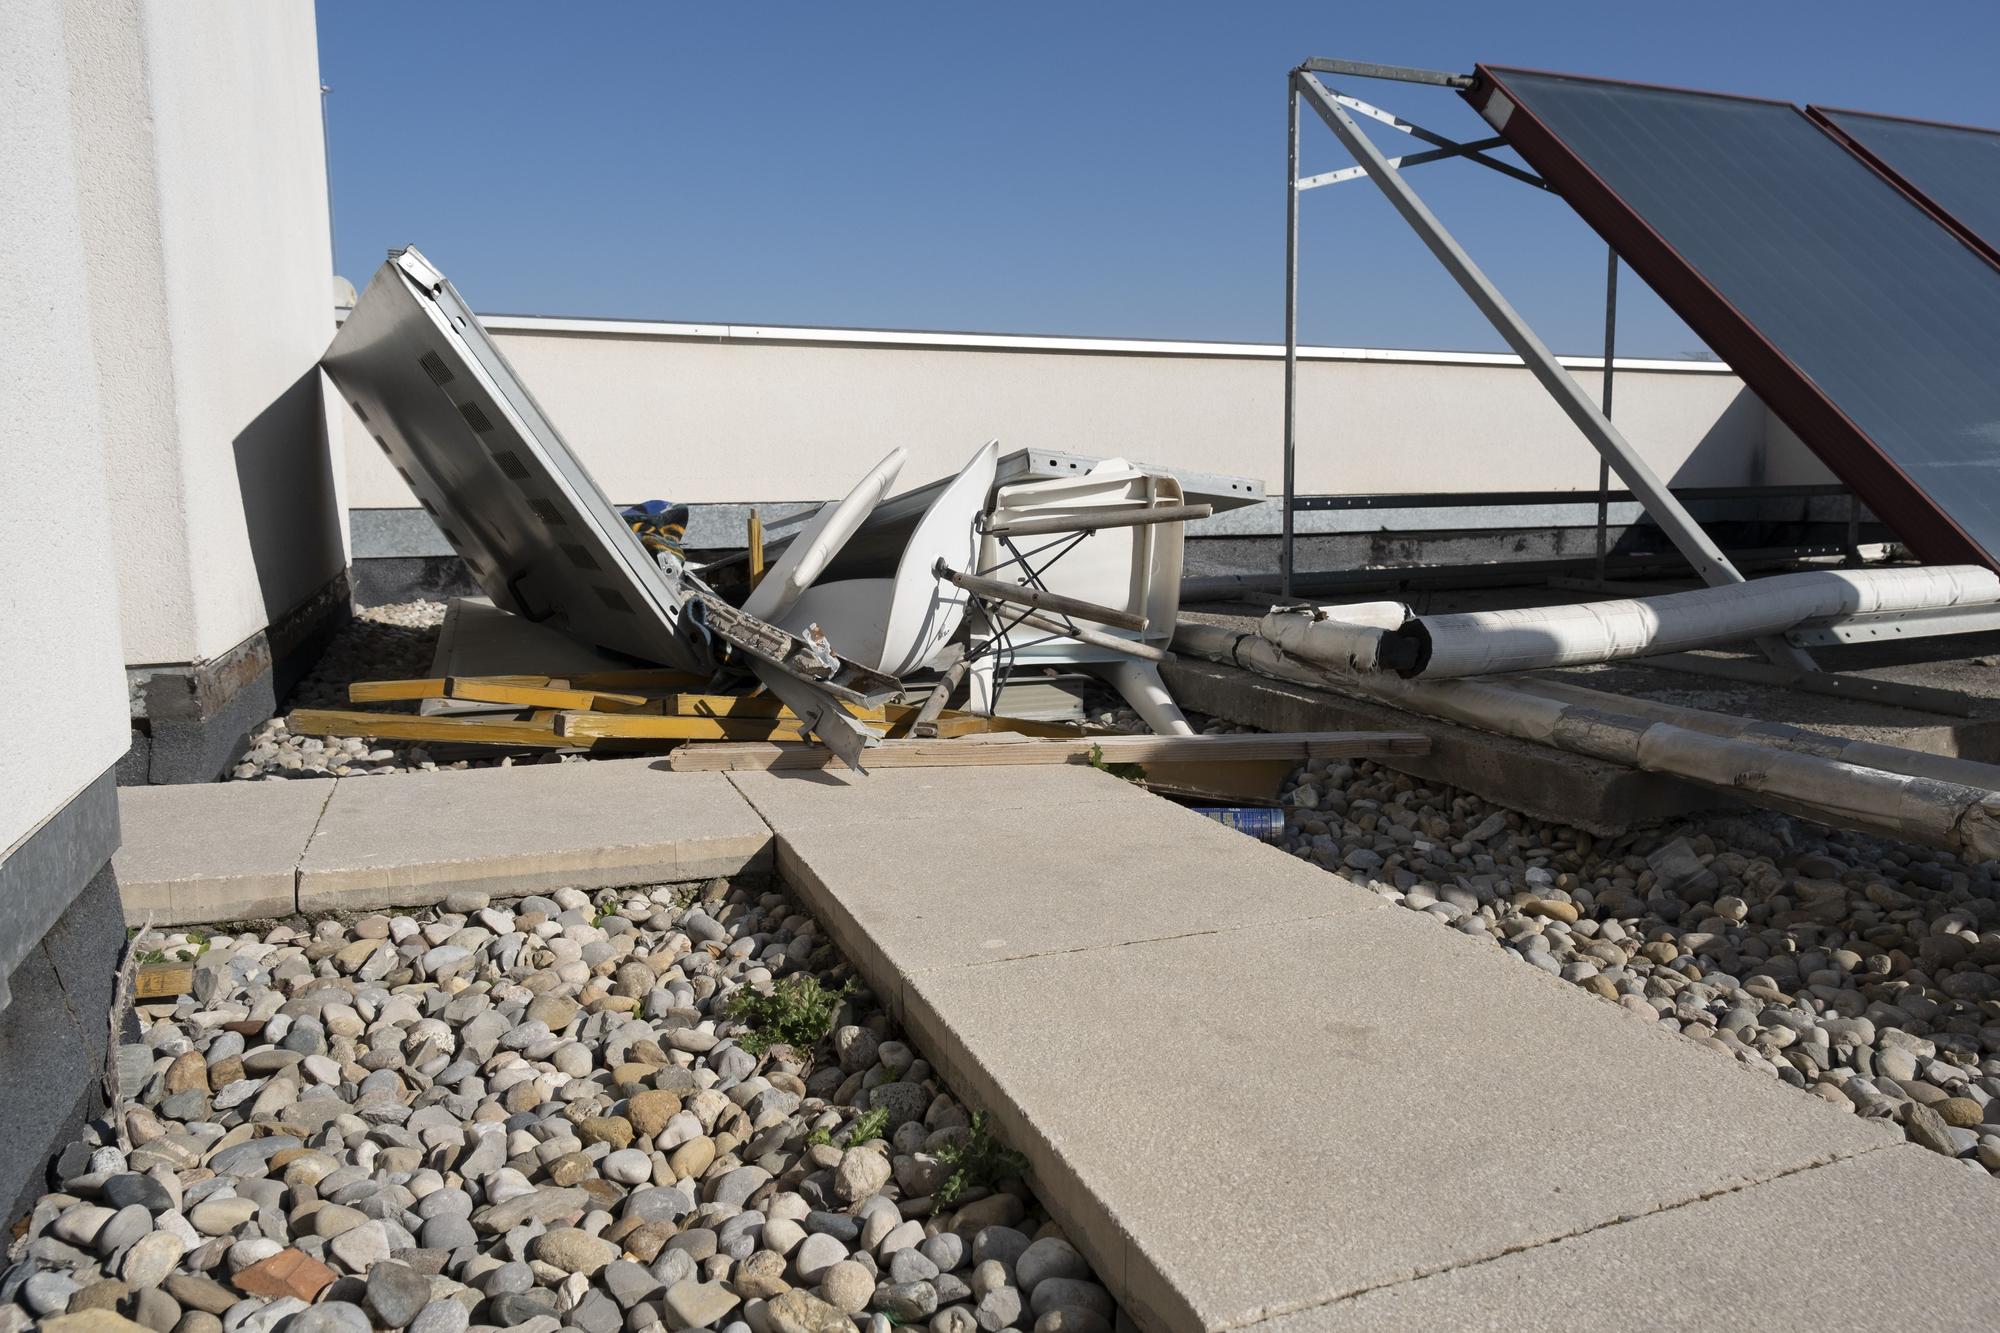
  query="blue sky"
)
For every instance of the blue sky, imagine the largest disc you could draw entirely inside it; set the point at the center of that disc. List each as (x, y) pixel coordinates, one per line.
(1097, 169)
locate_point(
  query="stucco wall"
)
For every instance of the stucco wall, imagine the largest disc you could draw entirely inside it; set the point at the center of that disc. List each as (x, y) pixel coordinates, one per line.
(197, 124)
(736, 417)
(62, 694)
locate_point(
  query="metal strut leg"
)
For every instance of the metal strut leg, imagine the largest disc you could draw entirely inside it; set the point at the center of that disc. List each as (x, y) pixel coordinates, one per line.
(1687, 536)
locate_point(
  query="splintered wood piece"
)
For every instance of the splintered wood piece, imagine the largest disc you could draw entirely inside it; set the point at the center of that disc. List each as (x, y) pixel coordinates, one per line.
(1292, 747)
(156, 981)
(537, 730)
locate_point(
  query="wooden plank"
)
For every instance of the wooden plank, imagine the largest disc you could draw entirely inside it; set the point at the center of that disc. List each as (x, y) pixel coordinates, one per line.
(435, 687)
(488, 691)
(755, 549)
(536, 731)
(402, 691)
(1295, 747)
(160, 981)
(951, 723)
(663, 727)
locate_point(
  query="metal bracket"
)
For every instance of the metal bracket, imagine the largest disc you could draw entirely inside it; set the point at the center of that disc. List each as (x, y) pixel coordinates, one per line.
(1446, 148)
(1470, 150)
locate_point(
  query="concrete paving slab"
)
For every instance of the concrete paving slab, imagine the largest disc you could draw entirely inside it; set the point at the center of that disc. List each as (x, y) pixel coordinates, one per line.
(215, 851)
(956, 885)
(799, 799)
(1241, 1124)
(412, 838)
(1898, 1238)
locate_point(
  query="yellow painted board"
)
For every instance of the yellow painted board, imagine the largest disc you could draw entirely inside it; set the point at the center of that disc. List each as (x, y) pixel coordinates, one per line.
(399, 691)
(154, 981)
(482, 690)
(536, 730)
(653, 726)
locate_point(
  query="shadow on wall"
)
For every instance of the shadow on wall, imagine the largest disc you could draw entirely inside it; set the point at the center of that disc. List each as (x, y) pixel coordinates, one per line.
(284, 469)
(1719, 457)
(1744, 446)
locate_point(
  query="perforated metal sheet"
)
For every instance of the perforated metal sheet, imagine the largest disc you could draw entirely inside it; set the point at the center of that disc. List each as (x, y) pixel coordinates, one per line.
(483, 459)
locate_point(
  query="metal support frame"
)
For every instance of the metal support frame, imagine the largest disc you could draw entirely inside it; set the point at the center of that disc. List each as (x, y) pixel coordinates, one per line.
(1616, 452)
(1610, 354)
(1291, 327)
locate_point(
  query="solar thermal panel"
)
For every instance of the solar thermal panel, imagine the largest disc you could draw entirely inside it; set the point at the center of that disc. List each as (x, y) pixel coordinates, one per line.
(533, 528)
(1954, 170)
(1871, 330)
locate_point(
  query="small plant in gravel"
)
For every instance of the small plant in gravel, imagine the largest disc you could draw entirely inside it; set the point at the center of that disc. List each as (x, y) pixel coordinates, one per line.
(1129, 772)
(868, 1125)
(978, 1161)
(798, 1012)
(196, 946)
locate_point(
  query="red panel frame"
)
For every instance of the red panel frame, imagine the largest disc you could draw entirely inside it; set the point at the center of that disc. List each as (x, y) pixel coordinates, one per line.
(1822, 116)
(1841, 444)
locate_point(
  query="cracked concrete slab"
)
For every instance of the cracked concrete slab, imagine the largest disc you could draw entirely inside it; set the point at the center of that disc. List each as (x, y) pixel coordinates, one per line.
(214, 851)
(1244, 1124)
(1900, 1237)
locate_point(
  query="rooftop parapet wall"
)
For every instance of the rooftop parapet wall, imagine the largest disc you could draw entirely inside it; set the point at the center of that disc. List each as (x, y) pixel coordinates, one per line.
(732, 413)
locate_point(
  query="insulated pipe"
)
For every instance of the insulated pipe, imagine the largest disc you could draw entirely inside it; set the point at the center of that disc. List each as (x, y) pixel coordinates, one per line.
(1346, 638)
(1959, 818)
(1779, 735)
(1481, 643)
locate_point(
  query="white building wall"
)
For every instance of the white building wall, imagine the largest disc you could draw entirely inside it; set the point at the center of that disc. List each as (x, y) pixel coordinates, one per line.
(62, 692)
(714, 415)
(199, 127)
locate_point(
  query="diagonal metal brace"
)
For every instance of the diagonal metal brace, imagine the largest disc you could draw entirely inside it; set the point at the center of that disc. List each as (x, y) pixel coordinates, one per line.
(1687, 536)
(1407, 160)
(1416, 131)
